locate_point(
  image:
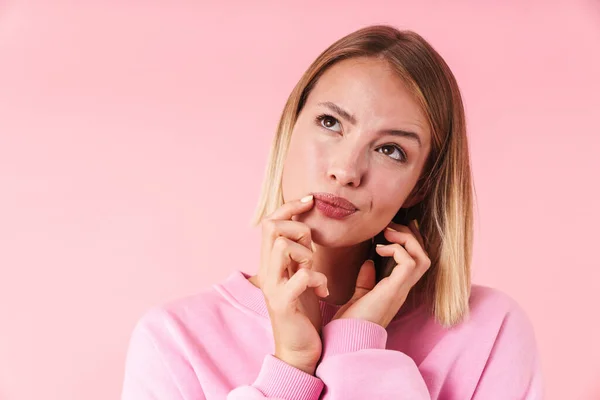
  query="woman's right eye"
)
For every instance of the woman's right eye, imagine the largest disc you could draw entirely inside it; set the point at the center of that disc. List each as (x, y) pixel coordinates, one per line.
(328, 122)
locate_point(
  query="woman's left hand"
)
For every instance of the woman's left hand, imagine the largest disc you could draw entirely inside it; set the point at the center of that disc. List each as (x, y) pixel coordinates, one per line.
(380, 302)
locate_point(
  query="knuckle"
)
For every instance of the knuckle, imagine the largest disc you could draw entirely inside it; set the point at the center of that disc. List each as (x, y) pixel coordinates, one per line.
(280, 243)
(307, 259)
(322, 278)
(305, 232)
(303, 274)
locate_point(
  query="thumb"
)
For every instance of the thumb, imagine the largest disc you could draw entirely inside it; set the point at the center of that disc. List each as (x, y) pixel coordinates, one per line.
(365, 282)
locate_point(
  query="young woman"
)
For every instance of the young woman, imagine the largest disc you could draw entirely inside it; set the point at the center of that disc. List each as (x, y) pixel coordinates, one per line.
(363, 289)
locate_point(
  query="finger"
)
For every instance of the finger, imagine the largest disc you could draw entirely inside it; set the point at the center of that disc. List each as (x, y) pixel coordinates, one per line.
(410, 228)
(286, 258)
(405, 238)
(406, 268)
(291, 208)
(302, 280)
(411, 247)
(272, 227)
(395, 250)
(293, 230)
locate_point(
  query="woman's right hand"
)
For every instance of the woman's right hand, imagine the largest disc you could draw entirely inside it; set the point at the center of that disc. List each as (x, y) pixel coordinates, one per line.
(291, 287)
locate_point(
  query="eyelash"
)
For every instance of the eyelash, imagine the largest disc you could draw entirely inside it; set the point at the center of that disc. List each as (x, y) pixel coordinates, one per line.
(319, 122)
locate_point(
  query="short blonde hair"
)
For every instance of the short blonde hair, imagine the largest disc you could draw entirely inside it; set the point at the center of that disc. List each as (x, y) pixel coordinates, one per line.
(445, 186)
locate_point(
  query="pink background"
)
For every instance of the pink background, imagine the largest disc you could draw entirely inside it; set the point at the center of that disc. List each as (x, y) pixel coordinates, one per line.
(133, 140)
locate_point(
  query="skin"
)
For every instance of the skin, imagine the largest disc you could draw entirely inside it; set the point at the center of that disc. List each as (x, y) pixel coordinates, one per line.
(375, 170)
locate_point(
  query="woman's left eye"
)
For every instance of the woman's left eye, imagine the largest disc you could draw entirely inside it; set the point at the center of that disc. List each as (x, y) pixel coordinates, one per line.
(394, 152)
(328, 122)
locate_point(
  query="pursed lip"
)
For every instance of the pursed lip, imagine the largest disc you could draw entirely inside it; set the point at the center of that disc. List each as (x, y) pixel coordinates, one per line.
(335, 201)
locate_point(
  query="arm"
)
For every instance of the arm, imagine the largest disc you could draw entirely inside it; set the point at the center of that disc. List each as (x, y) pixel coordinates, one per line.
(513, 368)
(356, 364)
(149, 377)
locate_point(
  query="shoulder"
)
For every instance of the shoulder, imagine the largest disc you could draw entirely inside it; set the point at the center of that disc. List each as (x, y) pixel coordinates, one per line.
(486, 299)
(493, 308)
(504, 332)
(165, 340)
(180, 316)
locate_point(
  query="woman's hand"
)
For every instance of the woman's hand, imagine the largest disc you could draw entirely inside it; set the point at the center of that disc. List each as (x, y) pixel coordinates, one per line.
(290, 286)
(380, 302)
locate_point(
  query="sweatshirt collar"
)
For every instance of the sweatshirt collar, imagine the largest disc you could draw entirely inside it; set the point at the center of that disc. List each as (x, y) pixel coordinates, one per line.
(241, 290)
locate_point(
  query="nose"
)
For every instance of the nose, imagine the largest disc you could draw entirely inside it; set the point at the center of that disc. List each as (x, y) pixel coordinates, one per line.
(346, 167)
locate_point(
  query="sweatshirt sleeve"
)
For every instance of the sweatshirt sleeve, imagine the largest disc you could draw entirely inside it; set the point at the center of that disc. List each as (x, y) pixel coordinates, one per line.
(513, 369)
(155, 371)
(147, 376)
(278, 380)
(356, 365)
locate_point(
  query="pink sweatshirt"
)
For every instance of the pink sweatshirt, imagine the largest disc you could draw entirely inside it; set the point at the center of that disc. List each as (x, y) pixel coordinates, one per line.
(218, 344)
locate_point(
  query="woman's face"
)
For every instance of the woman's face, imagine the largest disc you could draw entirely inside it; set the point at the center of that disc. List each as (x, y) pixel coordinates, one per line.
(348, 141)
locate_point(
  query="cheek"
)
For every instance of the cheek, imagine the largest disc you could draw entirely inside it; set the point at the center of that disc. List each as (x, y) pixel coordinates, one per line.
(388, 196)
(305, 159)
(309, 157)
(319, 156)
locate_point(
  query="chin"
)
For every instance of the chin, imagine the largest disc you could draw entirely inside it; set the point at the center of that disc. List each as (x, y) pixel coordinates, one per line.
(328, 232)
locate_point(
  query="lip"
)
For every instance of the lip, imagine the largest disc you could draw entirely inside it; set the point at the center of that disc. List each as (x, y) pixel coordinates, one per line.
(335, 201)
(331, 211)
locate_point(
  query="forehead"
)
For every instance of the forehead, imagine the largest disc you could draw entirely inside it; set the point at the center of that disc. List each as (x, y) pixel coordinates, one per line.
(371, 90)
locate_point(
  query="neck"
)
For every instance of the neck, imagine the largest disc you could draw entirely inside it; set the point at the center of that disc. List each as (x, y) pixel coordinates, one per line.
(340, 265)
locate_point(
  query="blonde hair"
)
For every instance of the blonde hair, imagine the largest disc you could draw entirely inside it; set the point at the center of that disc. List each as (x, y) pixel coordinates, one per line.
(445, 186)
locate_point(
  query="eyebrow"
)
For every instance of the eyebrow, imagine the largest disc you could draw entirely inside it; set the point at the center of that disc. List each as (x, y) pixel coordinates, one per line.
(352, 120)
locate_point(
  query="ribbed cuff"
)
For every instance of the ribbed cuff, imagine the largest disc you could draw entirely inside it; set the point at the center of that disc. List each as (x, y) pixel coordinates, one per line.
(345, 335)
(279, 379)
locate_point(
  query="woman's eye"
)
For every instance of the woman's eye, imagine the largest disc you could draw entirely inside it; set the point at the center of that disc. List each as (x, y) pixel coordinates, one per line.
(394, 152)
(329, 122)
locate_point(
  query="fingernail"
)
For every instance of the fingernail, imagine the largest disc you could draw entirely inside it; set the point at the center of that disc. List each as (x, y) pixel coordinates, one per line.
(312, 244)
(326, 291)
(391, 229)
(416, 223)
(306, 199)
(379, 245)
